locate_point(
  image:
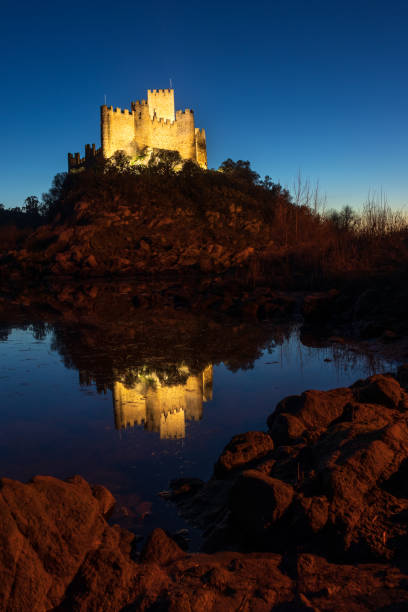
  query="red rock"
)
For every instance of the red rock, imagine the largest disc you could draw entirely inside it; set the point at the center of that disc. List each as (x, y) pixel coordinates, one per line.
(241, 450)
(104, 497)
(285, 427)
(51, 531)
(257, 500)
(379, 389)
(338, 471)
(161, 549)
(315, 510)
(58, 552)
(312, 410)
(91, 261)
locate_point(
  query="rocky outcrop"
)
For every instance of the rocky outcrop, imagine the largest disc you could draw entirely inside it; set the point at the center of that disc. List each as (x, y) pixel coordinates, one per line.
(127, 239)
(332, 481)
(310, 515)
(59, 553)
(242, 450)
(56, 546)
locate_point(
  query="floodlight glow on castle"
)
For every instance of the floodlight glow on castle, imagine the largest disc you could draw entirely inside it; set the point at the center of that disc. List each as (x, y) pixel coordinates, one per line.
(151, 124)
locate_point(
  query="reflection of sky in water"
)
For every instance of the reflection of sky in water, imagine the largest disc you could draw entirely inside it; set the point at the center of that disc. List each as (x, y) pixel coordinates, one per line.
(49, 424)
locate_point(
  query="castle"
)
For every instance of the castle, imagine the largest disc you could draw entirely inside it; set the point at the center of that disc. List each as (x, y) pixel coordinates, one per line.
(159, 407)
(150, 125)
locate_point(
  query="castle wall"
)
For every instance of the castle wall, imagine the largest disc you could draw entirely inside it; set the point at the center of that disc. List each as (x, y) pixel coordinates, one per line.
(76, 162)
(117, 131)
(129, 405)
(161, 401)
(153, 124)
(161, 102)
(163, 409)
(142, 124)
(201, 147)
(173, 425)
(131, 131)
(194, 398)
(174, 136)
(208, 383)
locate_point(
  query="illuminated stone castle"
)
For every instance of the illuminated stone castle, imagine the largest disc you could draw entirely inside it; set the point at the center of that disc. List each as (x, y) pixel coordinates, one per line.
(159, 407)
(149, 125)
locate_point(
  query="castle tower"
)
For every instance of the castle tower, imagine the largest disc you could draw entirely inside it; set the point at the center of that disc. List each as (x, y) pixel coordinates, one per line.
(173, 425)
(148, 125)
(129, 405)
(161, 103)
(208, 383)
(162, 408)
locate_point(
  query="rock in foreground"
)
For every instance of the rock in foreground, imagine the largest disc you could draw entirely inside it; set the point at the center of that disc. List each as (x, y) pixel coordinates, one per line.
(316, 509)
(331, 480)
(59, 553)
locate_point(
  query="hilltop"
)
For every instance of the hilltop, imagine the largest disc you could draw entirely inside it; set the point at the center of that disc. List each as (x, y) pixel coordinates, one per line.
(122, 219)
(125, 220)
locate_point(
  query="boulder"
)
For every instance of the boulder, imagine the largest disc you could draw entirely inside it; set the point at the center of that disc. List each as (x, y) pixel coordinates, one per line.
(379, 389)
(52, 532)
(313, 410)
(257, 500)
(58, 553)
(161, 549)
(241, 450)
(333, 483)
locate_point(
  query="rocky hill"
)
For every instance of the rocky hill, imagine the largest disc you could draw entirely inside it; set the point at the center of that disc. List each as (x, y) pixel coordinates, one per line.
(121, 222)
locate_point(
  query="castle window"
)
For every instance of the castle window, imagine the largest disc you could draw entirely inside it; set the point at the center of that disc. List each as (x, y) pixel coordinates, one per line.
(140, 115)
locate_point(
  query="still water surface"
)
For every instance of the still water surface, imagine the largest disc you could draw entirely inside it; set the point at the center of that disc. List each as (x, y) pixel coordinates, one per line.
(66, 408)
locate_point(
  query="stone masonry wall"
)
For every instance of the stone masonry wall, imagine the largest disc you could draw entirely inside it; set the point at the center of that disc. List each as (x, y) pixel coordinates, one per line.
(201, 147)
(161, 102)
(143, 403)
(117, 131)
(153, 124)
(175, 136)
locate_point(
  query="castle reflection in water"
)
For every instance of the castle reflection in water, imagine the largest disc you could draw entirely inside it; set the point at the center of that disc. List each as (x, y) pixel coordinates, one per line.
(159, 406)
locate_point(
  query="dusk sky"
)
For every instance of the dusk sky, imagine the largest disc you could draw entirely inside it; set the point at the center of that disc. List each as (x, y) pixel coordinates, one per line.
(316, 86)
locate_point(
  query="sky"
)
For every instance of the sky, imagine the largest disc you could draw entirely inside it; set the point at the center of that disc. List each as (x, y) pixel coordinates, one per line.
(312, 86)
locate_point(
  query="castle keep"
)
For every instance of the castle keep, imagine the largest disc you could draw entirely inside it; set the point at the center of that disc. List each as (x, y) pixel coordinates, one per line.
(159, 407)
(149, 125)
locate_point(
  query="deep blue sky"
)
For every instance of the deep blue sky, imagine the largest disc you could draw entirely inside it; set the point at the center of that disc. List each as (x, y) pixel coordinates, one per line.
(315, 85)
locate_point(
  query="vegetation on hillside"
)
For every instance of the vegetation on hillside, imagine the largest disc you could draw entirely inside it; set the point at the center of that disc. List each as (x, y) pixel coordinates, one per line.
(290, 233)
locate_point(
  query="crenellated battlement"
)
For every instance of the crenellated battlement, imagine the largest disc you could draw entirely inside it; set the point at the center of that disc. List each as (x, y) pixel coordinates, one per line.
(92, 154)
(161, 92)
(186, 111)
(160, 407)
(161, 103)
(153, 123)
(75, 160)
(139, 103)
(122, 111)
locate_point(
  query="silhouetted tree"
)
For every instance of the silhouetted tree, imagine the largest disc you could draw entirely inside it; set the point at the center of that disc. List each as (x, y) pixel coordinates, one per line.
(240, 170)
(32, 206)
(343, 220)
(52, 198)
(191, 170)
